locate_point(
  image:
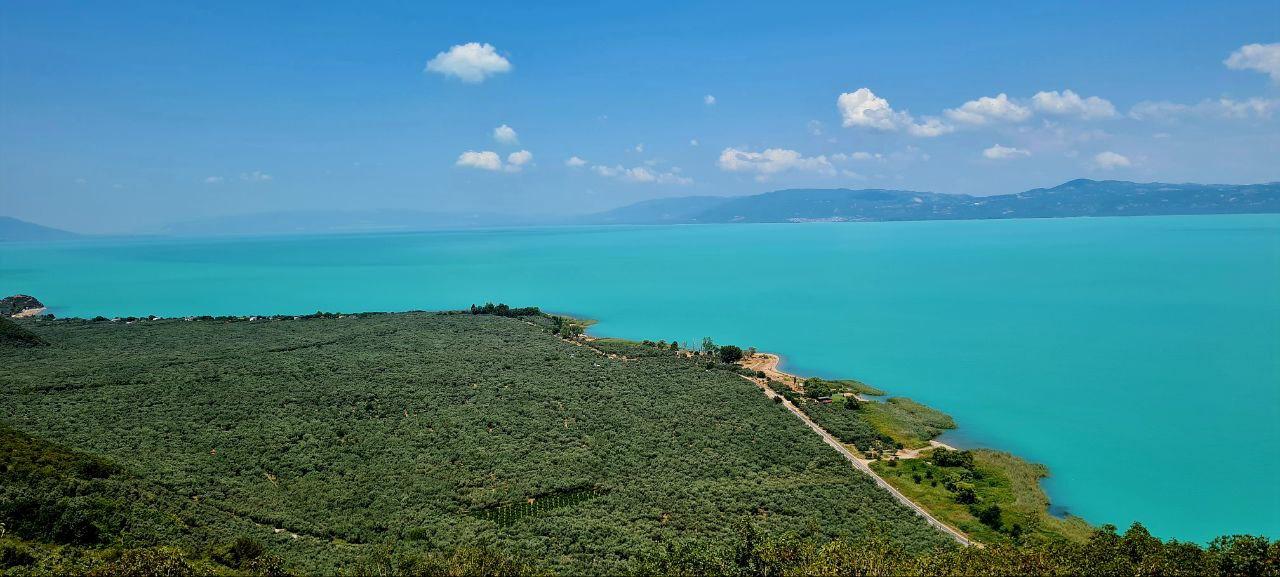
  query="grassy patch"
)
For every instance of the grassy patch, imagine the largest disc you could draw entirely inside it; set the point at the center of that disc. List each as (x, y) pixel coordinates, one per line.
(996, 479)
(905, 421)
(832, 385)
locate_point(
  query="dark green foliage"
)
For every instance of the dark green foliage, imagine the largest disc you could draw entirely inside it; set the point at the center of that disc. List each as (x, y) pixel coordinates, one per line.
(15, 555)
(161, 562)
(965, 495)
(989, 516)
(240, 552)
(816, 387)
(367, 431)
(565, 327)
(14, 335)
(502, 310)
(505, 515)
(846, 425)
(730, 354)
(944, 457)
(51, 494)
(1105, 553)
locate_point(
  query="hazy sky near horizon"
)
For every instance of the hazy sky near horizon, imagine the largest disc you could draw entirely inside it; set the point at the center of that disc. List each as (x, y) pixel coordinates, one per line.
(120, 117)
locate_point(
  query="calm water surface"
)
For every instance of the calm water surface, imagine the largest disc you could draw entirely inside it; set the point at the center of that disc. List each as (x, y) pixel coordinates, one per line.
(1139, 358)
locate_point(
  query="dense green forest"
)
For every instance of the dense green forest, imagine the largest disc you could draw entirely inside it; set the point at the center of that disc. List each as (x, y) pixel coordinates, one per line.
(362, 432)
(459, 443)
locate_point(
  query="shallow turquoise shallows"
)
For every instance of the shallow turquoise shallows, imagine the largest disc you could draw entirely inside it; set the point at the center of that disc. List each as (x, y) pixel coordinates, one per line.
(1139, 358)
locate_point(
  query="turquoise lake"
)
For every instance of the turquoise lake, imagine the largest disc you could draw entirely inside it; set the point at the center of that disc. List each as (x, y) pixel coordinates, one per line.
(1139, 358)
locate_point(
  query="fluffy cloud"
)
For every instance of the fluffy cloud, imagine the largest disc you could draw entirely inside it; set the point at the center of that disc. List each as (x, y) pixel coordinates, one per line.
(506, 135)
(863, 109)
(772, 161)
(930, 128)
(207, 180)
(989, 109)
(709, 100)
(483, 160)
(517, 160)
(575, 162)
(471, 62)
(255, 176)
(1264, 58)
(641, 174)
(997, 152)
(1220, 108)
(1068, 103)
(1109, 160)
(489, 160)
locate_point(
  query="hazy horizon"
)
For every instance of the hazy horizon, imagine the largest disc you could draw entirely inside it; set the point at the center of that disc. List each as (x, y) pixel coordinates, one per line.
(117, 119)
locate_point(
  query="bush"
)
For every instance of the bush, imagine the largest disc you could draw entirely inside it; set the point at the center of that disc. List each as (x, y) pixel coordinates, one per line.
(990, 516)
(240, 552)
(944, 457)
(730, 353)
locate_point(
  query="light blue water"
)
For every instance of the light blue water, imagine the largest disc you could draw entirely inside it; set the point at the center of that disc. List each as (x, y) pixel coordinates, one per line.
(1139, 358)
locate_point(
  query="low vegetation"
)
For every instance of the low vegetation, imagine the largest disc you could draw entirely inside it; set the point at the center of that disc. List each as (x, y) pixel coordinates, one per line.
(360, 433)
(994, 497)
(908, 423)
(487, 442)
(14, 335)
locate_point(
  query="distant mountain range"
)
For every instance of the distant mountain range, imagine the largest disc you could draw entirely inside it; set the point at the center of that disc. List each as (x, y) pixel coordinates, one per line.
(12, 229)
(1076, 198)
(336, 222)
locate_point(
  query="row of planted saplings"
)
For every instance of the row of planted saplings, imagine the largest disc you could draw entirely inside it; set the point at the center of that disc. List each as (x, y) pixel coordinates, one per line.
(505, 515)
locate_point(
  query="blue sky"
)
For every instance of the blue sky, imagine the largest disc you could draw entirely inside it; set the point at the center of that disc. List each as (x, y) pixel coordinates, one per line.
(120, 117)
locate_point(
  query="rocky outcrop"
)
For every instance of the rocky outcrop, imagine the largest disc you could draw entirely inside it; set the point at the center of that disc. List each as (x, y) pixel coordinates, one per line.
(18, 304)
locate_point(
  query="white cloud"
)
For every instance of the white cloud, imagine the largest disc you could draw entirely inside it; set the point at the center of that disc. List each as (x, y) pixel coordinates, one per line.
(489, 160)
(575, 162)
(483, 160)
(255, 176)
(997, 152)
(1220, 108)
(506, 135)
(815, 127)
(858, 155)
(930, 128)
(213, 179)
(1109, 160)
(772, 161)
(1263, 58)
(641, 174)
(863, 109)
(517, 160)
(638, 148)
(693, 142)
(471, 62)
(1068, 103)
(989, 109)
(709, 100)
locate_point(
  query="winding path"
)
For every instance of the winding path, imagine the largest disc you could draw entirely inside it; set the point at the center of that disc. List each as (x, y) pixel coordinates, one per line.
(768, 363)
(861, 465)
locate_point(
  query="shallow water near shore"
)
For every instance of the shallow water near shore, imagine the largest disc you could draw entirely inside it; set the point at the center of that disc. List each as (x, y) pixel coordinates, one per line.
(1139, 358)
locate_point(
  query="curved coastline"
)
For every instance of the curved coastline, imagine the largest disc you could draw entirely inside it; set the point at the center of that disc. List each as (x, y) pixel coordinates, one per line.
(771, 364)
